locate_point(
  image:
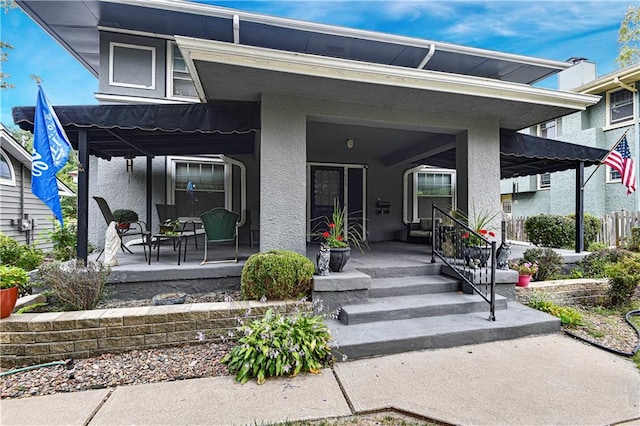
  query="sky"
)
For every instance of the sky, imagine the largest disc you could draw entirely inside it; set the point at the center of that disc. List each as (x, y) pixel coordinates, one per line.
(556, 30)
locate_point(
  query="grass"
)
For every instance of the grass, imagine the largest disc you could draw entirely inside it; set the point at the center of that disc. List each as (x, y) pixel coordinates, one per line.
(381, 419)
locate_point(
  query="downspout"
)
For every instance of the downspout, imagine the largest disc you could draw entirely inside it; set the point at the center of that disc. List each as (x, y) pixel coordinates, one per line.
(427, 58)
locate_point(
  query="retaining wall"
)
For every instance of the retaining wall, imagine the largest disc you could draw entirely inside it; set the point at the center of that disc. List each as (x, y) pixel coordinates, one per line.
(585, 291)
(28, 339)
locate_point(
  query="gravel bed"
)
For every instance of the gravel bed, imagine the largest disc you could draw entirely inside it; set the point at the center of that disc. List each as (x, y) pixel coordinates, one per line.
(611, 331)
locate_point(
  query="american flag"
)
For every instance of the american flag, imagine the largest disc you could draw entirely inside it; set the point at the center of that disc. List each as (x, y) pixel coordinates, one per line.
(620, 160)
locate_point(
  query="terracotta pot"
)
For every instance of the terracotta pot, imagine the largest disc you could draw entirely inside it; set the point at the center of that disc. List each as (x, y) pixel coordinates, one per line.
(524, 280)
(8, 299)
(123, 225)
(338, 258)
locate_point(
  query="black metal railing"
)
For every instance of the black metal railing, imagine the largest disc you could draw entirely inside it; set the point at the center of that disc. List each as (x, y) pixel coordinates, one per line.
(469, 254)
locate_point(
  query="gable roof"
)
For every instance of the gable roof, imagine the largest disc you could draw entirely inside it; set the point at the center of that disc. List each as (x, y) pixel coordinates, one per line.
(613, 80)
(76, 25)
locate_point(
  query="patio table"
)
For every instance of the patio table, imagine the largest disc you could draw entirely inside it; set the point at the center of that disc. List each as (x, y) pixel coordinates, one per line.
(179, 237)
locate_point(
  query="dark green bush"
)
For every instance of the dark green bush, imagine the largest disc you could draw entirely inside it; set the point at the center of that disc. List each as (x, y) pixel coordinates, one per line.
(279, 345)
(592, 265)
(124, 215)
(549, 231)
(624, 277)
(549, 262)
(277, 274)
(24, 256)
(592, 226)
(76, 286)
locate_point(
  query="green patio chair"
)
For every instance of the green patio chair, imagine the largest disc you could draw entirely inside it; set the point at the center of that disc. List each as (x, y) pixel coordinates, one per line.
(220, 226)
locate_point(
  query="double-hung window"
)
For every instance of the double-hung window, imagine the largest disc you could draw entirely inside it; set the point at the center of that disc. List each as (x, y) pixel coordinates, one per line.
(544, 181)
(548, 129)
(620, 106)
(198, 184)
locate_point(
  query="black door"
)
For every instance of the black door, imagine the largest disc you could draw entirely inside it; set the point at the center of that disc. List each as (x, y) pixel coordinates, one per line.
(327, 187)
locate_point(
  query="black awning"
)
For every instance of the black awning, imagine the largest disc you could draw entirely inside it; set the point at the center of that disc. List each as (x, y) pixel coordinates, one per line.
(524, 155)
(158, 129)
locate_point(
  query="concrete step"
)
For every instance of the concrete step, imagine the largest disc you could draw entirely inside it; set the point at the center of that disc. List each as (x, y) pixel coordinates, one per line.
(404, 335)
(402, 271)
(415, 306)
(404, 286)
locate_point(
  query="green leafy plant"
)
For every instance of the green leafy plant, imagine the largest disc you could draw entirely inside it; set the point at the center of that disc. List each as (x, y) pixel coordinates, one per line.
(624, 277)
(568, 316)
(277, 274)
(22, 255)
(279, 345)
(65, 240)
(125, 216)
(549, 262)
(634, 244)
(597, 246)
(14, 276)
(340, 234)
(75, 285)
(524, 268)
(480, 223)
(592, 265)
(549, 231)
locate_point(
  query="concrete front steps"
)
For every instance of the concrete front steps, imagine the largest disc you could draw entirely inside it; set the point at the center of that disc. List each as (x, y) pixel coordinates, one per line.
(426, 311)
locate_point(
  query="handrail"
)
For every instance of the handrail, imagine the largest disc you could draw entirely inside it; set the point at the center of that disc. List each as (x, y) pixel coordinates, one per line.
(475, 263)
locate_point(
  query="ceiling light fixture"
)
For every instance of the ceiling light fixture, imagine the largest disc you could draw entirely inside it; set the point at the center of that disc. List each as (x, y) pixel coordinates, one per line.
(349, 143)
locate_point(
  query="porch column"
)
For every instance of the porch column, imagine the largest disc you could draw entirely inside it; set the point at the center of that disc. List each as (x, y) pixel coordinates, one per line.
(283, 159)
(478, 171)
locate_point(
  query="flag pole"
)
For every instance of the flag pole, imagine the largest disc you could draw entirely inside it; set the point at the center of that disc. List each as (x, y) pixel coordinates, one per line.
(600, 164)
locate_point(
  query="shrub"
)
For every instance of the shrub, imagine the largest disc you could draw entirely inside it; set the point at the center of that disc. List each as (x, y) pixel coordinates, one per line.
(277, 274)
(568, 316)
(76, 286)
(597, 246)
(549, 262)
(634, 244)
(21, 255)
(279, 345)
(592, 226)
(624, 277)
(65, 241)
(592, 265)
(549, 231)
(12, 276)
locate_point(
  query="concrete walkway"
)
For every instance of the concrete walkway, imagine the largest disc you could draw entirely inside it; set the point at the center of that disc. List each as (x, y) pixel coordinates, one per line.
(542, 380)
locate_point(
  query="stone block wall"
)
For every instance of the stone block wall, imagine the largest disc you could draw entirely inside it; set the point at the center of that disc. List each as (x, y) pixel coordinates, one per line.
(579, 291)
(29, 339)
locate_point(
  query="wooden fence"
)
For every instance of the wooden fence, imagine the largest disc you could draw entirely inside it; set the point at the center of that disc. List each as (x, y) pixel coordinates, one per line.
(615, 231)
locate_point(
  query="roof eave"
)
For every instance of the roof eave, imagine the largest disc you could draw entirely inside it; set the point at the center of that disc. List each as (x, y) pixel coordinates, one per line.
(608, 82)
(325, 67)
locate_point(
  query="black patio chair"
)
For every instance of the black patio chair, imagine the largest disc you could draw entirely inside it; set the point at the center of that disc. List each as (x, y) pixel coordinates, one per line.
(135, 228)
(169, 212)
(220, 226)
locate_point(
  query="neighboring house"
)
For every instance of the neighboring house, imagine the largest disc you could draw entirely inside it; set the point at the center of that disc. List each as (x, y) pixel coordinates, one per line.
(344, 114)
(22, 215)
(600, 125)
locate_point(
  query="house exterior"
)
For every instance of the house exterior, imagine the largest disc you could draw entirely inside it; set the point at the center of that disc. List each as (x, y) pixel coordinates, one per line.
(600, 125)
(346, 115)
(23, 216)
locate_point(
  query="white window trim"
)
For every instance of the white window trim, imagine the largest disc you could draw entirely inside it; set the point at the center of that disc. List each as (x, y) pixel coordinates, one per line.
(608, 179)
(608, 125)
(540, 187)
(12, 180)
(169, 94)
(228, 180)
(114, 44)
(539, 128)
(405, 191)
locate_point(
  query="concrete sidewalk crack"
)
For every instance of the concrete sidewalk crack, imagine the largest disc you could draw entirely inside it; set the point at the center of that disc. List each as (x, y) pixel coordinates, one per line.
(95, 411)
(344, 392)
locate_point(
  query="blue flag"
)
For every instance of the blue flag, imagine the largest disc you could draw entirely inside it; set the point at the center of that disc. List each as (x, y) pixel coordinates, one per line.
(51, 149)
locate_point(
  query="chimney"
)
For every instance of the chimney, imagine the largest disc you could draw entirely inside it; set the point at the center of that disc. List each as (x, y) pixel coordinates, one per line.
(582, 72)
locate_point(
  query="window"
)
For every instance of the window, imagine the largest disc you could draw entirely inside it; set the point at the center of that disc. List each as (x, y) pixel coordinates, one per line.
(132, 66)
(434, 184)
(620, 106)
(544, 181)
(180, 84)
(548, 129)
(7, 175)
(506, 207)
(613, 175)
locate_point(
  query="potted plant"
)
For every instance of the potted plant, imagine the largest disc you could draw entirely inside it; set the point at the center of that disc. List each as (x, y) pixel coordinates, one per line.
(170, 227)
(476, 248)
(124, 217)
(525, 271)
(340, 238)
(13, 281)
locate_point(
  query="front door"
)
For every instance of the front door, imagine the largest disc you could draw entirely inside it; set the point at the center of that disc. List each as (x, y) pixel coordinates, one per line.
(336, 183)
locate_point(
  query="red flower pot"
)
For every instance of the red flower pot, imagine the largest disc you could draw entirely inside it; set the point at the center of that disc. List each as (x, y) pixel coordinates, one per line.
(524, 280)
(8, 299)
